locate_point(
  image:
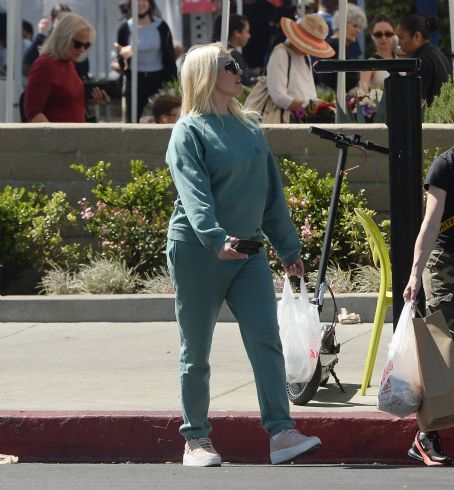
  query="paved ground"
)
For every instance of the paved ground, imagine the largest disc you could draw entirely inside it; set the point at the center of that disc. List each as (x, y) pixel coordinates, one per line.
(228, 477)
(116, 366)
(108, 392)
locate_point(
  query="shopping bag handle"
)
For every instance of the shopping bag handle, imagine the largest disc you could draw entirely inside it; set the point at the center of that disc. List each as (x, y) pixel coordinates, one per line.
(303, 291)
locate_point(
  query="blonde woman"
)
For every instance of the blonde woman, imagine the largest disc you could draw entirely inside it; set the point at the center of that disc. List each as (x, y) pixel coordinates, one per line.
(229, 196)
(55, 92)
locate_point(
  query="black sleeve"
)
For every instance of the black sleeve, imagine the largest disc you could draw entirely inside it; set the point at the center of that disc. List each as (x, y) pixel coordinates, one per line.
(427, 75)
(123, 34)
(168, 54)
(32, 51)
(440, 172)
(122, 40)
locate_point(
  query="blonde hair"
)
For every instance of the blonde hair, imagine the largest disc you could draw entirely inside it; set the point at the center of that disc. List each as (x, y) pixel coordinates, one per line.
(198, 78)
(63, 33)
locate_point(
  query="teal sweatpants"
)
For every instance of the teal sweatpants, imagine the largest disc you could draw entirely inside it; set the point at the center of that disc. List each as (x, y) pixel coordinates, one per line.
(202, 282)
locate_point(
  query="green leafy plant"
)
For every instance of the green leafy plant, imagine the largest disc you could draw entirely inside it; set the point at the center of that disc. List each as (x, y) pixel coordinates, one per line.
(442, 109)
(31, 224)
(429, 155)
(130, 221)
(308, 197)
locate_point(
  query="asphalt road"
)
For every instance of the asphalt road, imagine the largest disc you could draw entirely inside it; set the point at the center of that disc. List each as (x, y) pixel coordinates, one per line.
(175, 476)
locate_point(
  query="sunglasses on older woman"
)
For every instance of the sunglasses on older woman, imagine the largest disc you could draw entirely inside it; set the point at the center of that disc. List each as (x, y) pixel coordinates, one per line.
(380, 34)
(233, 67)
(79, 44)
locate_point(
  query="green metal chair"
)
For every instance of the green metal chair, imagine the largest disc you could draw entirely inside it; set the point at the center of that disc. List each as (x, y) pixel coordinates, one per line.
(381, 260)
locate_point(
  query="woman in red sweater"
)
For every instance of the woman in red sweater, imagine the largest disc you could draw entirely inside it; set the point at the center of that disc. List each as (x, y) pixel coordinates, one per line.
(55, 93)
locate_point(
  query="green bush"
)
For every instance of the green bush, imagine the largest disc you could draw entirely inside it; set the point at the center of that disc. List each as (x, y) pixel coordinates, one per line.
(130, 222)
(308, 197)
(31, 231)
(442, 109)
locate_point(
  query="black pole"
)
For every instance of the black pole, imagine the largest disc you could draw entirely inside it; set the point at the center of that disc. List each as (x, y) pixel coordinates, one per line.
(342, 142)
(403, 113)
(342, 160)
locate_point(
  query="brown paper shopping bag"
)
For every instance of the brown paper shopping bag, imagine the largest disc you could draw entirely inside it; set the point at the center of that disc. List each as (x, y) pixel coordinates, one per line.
(436, 363)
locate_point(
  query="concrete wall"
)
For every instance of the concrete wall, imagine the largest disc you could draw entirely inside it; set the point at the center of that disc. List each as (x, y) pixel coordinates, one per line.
(35, 153)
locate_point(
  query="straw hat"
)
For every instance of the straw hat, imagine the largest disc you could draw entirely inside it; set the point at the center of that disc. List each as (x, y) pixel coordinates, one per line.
(308, 35)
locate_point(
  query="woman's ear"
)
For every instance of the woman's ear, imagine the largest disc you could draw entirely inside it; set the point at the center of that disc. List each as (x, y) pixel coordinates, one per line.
(418, 38)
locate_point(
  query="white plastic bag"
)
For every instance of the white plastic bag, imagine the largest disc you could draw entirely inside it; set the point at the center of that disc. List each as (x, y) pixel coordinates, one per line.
(301, 333)
(400, 386)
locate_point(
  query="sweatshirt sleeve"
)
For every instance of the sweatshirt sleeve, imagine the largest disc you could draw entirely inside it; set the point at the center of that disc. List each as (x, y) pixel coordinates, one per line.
(276, 78)
(185, 158)
(277, 223)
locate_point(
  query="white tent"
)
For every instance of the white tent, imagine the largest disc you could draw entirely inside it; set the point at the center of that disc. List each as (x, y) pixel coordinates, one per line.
(103, 14)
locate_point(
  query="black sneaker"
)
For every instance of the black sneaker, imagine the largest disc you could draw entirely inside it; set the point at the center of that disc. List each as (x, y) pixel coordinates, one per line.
(427, 449)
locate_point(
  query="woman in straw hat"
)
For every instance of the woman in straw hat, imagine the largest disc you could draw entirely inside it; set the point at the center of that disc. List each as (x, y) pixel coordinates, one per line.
(290, 80)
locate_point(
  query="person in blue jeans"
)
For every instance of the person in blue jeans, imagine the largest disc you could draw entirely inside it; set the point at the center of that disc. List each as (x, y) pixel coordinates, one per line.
(229, 189)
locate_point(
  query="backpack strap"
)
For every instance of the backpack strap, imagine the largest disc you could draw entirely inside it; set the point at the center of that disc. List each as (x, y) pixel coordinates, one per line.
(288, 76)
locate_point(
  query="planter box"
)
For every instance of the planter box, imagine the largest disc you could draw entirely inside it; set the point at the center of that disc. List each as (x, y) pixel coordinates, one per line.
(141, 308)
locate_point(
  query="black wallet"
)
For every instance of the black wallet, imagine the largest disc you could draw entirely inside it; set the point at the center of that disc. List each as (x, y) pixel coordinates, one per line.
(250, 247)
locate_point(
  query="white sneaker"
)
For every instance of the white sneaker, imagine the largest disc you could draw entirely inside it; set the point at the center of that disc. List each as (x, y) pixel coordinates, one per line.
(290, 443)
(200, 452)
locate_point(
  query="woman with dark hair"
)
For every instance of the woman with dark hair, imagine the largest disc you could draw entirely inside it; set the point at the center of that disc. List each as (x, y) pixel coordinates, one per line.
(156, 58)
(238, 37)
(414, 32)
(383, 37)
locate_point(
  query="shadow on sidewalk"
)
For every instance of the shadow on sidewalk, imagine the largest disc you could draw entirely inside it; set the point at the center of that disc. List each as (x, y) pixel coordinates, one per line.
(332, 396)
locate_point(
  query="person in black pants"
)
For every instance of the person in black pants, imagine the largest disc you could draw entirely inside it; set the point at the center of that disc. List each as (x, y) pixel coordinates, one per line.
(156, 58)
(414, 32)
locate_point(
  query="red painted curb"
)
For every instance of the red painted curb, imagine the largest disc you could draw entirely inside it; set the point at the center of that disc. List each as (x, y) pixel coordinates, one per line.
(152, 437)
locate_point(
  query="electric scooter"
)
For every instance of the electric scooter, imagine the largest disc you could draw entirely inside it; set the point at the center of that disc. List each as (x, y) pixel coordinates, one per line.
(302, 393)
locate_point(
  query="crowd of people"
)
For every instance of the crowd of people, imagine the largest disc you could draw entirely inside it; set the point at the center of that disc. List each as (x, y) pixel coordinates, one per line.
(255, 42)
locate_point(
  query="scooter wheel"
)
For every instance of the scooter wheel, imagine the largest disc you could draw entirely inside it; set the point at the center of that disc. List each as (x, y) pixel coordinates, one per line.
(301, 393)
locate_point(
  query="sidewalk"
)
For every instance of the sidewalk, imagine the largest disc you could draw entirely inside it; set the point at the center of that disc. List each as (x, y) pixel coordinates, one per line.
(109, 392)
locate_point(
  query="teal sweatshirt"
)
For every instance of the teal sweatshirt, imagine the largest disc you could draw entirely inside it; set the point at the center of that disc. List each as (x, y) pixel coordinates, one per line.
(228, 185)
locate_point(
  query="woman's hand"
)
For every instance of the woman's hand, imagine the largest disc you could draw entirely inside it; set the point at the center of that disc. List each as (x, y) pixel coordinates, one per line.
(226, 252)
(295, 269)
(124, 51)
(98, 96)
(295, 104)
(412, 289)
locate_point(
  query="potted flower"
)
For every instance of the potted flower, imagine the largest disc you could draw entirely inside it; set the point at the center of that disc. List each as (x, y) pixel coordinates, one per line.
(316, 111)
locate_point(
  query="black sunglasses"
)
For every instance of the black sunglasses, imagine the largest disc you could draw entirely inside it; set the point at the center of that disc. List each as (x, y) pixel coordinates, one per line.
(380, 34)
(233, 67)
(79, 44)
